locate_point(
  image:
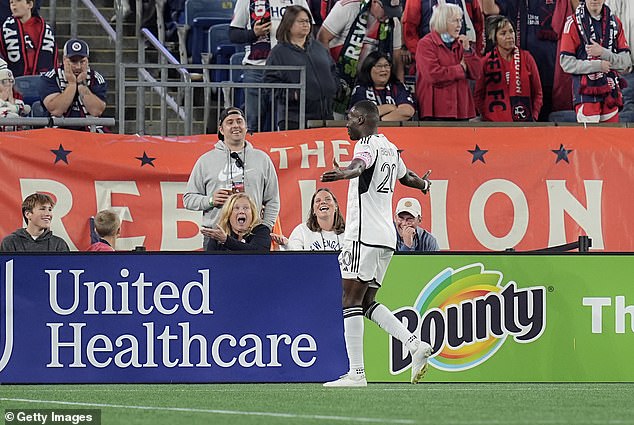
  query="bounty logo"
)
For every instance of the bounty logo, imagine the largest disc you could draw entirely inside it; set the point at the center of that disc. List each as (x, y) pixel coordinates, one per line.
(7, 323)
(466, 316)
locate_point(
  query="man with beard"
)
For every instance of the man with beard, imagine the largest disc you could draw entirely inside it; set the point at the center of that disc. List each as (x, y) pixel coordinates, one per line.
(74, 90)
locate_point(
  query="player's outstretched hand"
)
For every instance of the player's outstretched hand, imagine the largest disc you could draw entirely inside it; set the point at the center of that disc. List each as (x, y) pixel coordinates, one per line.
(333, 175)
(425, 178)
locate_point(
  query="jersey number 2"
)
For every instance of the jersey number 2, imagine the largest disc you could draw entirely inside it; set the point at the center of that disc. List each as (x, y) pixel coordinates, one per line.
(387, 184)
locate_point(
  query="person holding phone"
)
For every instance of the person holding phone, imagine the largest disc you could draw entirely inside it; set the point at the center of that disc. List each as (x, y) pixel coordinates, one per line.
(233, 166)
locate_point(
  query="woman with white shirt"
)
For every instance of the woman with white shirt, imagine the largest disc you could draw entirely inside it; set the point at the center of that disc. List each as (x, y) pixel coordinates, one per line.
(323, 229)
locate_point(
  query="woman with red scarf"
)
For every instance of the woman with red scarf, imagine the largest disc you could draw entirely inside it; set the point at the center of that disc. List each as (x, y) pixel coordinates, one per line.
(509, 89)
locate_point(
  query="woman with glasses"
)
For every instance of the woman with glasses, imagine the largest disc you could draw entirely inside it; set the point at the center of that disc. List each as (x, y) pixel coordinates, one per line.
(445, 62)
(296, 47)
(377, 83)
(509, 89)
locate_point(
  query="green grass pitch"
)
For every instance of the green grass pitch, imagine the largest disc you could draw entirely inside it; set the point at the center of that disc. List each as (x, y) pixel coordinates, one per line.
(306, 404)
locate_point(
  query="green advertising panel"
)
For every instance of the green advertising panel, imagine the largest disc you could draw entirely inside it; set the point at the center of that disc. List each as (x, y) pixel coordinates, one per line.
(492, 318)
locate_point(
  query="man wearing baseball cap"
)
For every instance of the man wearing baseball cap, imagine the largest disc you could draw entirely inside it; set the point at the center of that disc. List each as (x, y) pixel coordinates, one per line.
(74, 89)
(409, 235)
(234, 165)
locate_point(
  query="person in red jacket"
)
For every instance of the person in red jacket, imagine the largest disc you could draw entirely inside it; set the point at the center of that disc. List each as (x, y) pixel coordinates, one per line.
(417, 13)
(445, 63)
(509, 88)
(108, 227)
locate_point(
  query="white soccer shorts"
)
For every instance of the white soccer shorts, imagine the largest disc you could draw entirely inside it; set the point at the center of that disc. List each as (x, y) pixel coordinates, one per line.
(365, 263)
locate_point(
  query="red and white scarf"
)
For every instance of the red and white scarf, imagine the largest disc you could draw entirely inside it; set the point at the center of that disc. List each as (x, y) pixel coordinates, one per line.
(516, 104)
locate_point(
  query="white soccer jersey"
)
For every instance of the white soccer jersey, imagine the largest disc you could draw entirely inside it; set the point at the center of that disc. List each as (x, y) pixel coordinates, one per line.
(369, 211)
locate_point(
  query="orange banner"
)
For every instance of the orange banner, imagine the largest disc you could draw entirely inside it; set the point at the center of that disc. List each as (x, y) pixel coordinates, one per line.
(493, 188)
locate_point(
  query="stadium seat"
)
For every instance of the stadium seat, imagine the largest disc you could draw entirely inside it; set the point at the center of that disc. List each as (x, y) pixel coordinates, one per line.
(38, 110)
(221, 49)
(29, 87)
(199, 16)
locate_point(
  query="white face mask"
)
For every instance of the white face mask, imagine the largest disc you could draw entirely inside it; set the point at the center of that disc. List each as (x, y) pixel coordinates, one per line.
(447, 38)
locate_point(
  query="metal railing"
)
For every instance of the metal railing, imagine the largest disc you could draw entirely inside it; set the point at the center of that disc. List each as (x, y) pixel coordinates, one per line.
(226, 92)
(165, 98)
(58, 122)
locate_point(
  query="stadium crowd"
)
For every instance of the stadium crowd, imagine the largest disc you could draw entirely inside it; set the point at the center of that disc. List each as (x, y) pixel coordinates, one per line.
(489, 60)
(449, 60)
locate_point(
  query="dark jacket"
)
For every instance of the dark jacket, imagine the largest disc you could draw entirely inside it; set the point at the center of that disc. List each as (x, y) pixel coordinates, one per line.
(321, 85)
(258, 240)
(22, 241)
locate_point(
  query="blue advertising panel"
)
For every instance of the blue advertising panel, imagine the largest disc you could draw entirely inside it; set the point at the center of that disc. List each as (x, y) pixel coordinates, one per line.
(161, 317)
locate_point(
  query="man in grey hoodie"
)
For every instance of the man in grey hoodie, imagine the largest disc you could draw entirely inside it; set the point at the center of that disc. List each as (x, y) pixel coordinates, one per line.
(234, 165)
(37, 211)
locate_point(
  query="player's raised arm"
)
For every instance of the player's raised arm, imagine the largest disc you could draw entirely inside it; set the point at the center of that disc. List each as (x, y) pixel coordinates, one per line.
(356, 167)
(411, 179)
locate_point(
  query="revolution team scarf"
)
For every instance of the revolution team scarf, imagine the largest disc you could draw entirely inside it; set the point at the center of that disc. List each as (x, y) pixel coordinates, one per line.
(348, 60)
(601, 86)
(13, 48)
(517, 104)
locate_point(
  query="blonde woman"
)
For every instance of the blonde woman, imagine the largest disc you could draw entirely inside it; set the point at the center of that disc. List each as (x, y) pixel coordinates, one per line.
(239, 227)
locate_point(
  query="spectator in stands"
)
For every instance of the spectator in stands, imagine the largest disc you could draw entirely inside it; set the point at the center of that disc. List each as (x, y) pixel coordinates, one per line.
(27, 42)
(594, 50)
(239, 227)
(10, 107)
(296, 47)
(538, 25)
(509, 88)
(323, 228)
(108, 227)
(234, 165)
(417, 14)
(409, 235)
(445, 62)
(74, 89)
(624, 10)
(37, 211)
(379, 21)
(253, 23)
(378, 83)
(5, 9)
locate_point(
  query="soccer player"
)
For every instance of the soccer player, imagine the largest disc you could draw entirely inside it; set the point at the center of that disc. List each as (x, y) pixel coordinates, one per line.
(370, 240)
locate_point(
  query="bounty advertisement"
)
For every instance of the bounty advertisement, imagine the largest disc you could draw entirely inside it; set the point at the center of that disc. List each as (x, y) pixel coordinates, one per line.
(509, 317)
(170, 318)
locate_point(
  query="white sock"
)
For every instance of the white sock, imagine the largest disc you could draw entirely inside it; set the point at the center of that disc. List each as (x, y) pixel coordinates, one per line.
(383, 317)
(353, 335)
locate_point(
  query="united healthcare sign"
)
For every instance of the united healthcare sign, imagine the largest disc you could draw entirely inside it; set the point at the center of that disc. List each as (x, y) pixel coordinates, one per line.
(170, 318)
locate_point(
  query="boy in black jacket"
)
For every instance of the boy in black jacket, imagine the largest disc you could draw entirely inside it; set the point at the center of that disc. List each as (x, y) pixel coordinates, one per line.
(37, 210)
